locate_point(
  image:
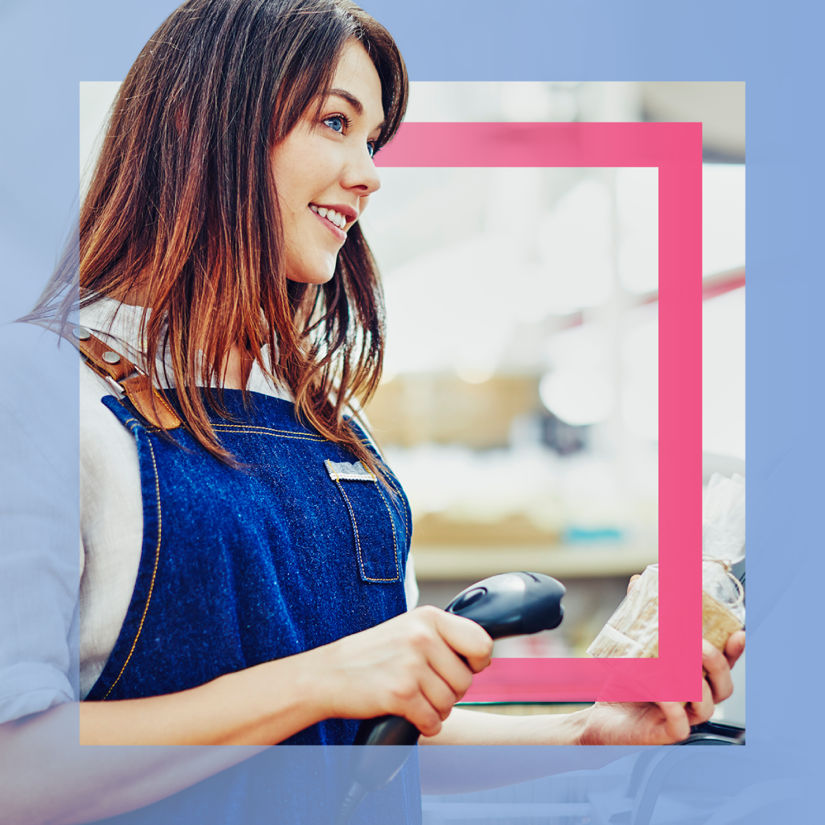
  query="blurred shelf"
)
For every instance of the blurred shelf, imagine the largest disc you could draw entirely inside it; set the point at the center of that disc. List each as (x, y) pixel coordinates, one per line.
(524, 708)
(437, 562)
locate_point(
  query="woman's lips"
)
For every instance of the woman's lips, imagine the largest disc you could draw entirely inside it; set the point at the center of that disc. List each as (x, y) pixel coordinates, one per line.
(339, 234)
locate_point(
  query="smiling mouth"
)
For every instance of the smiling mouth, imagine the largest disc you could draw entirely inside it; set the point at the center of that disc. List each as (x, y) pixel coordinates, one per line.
(333, 217)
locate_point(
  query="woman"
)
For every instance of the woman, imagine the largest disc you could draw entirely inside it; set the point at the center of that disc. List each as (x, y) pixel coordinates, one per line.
(232, 239)
(244, 546)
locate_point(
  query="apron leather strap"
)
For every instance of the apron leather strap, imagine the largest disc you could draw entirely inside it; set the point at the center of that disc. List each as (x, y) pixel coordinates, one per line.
(127, 379)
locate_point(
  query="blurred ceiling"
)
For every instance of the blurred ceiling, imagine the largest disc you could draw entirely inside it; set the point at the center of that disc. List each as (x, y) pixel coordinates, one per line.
(718, 105)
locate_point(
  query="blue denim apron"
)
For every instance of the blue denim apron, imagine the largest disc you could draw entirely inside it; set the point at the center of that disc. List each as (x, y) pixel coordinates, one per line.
(295, 549)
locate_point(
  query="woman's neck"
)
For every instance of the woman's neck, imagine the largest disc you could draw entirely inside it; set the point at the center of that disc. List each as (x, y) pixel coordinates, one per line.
(238, 364)
(238, 367)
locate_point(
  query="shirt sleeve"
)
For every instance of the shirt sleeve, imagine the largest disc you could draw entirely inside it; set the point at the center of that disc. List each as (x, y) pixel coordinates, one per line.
(39, 560)
(411, 584)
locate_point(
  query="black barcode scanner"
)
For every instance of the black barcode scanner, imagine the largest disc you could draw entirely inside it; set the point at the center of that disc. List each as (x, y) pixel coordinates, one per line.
(509, 604)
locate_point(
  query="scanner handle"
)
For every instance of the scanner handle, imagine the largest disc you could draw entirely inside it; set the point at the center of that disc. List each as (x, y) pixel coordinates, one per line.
(508, 604)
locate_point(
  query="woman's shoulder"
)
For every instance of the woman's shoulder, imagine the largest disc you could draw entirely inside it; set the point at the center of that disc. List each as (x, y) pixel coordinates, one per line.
(39, 552)
(38, 376)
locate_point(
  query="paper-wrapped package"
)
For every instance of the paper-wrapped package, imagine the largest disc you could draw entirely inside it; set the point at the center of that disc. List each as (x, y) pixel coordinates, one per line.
(723, 519)
(633, 629)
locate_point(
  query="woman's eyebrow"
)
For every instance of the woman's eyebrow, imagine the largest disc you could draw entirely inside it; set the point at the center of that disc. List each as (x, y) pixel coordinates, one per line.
(353, 101)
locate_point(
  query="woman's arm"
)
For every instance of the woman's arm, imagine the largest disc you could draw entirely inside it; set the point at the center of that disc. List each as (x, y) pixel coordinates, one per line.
(627, 723)
(261, 705)
(53, 776)
(413, 665)
(48, 778)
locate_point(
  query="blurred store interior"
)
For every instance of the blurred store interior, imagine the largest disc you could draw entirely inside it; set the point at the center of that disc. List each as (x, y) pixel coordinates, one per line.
(519, 401)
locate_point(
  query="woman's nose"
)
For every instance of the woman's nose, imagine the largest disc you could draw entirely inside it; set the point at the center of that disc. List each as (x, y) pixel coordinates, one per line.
(360, 173)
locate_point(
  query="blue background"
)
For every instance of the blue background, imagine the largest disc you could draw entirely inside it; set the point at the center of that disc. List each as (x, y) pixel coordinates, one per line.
(47, 47)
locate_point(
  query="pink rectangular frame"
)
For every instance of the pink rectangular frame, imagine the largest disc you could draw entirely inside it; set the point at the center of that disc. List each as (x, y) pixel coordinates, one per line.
(676, 150)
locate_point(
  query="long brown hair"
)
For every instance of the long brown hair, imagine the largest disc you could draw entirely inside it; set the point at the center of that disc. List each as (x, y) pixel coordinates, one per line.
(182, 208)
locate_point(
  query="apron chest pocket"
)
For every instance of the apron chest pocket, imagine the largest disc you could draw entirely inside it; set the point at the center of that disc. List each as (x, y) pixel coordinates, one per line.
(376, 531)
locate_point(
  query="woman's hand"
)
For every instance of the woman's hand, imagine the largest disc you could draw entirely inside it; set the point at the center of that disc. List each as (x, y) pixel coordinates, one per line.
(663, 723)
(417, 665)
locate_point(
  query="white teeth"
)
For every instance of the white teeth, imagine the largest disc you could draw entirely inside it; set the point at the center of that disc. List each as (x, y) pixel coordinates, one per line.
(331, 215)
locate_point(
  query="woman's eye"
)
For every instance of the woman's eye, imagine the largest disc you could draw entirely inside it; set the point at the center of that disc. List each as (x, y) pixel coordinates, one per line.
(338, 123)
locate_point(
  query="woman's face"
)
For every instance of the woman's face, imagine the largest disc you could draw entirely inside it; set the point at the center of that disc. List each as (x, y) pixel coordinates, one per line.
(323, 169)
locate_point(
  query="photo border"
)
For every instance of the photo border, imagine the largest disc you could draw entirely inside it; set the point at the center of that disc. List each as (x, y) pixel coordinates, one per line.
(675, 149)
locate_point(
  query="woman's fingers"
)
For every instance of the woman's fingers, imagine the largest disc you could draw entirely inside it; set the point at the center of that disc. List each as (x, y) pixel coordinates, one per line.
(717, 684)
(735, 647)
(667, 722)
(676, 721)
(699, 712)
(417, 665)
(468, 639)
(452, 669)
(717, 672)
(421, 712)
(440, 697)
(451, 649)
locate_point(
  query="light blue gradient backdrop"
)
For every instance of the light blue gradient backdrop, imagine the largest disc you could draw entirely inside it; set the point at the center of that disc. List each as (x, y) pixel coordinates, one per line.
(46, 48)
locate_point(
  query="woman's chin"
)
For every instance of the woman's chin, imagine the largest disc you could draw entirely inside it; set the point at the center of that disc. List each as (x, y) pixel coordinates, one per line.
(318, 278)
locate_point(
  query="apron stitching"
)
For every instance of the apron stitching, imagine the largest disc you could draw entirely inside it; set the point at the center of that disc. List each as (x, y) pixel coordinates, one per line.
(392, 527)
(240, 428)
(369, 442)
(357, 541)
(154, 573)
(162, 398)
(354, 525)
(404, 507)
(274, 435)
(270, 429)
